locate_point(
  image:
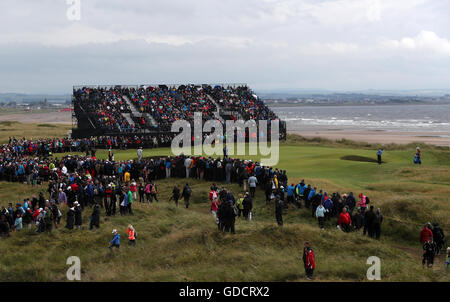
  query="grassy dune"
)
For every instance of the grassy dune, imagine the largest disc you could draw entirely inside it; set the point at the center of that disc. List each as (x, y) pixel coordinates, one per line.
(175, 244)
(31, 131)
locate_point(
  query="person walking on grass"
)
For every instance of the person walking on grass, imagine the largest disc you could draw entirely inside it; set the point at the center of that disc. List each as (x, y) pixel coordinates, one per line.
(426, 233)
(131, 235)
(214, 207)
(429, 249)
(148, 192)
(175, 195)
(154, 191)
(248, 206)
(252, 182)
(186, 194)
(279, 210)
(309, 261)
(438, 237)
(417, 156)
(115, 242)
(320, 214)
(229, 217)
(239, 205)
(379, 153)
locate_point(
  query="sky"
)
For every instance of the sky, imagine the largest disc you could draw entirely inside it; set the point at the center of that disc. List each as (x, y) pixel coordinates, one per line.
(47, 46)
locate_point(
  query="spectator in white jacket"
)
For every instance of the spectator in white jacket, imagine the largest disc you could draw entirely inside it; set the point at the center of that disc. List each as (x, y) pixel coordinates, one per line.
(320, 214)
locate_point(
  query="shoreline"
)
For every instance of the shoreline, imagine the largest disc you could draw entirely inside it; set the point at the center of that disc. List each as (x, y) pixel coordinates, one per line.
(379, 136)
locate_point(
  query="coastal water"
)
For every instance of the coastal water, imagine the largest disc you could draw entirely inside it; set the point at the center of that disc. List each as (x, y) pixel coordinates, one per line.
(433, 118)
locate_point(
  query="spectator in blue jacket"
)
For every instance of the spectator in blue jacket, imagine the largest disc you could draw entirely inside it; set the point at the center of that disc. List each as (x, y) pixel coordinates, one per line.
(327, 204)
(115, 242)
(290, 193)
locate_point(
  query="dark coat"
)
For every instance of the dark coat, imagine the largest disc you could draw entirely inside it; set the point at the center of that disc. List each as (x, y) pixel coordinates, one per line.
(96, 215)
(70, 219)
(78, 216)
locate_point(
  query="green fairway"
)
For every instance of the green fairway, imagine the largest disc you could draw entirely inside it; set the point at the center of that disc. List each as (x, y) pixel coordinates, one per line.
(176, 244)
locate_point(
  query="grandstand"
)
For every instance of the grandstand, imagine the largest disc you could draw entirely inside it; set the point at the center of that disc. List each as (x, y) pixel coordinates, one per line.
(124, 110)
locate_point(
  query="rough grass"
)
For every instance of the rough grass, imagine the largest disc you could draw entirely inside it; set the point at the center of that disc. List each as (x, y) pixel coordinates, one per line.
(31, 131)
(175, 244)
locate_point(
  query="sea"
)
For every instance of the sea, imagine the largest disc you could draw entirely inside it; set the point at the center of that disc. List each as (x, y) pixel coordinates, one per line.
(408, 118)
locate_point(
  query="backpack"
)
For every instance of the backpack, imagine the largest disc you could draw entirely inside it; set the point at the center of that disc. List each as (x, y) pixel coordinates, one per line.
(188, 190)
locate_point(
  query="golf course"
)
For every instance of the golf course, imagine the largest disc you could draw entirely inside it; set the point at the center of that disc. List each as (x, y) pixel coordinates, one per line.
(178, 244)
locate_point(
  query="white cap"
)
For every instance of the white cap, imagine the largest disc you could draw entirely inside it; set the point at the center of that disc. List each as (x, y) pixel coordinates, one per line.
(114, 231)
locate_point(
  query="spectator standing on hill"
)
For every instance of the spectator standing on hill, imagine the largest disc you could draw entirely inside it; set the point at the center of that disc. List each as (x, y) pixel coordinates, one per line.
(78, 215)
(379, 153)
(70, 218)
(290, 191)
(320, 214)
(350, 202)
(130, 201)
(95, 217)
(345, 221)
(369, 218)
(309, 261)
(139, 154)
(377, 224)
(357, 220)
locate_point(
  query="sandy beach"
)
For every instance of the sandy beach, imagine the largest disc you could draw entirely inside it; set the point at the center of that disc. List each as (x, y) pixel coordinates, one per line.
(380, 136)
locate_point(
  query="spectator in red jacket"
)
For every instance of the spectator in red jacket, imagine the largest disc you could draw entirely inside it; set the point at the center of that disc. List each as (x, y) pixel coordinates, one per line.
(344, 220)
(426, 233)
(308, 261)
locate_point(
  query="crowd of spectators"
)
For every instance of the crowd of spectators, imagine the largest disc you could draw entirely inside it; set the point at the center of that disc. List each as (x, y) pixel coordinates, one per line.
(106, 107)
(168, 104)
